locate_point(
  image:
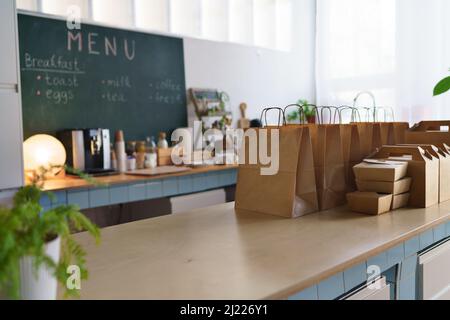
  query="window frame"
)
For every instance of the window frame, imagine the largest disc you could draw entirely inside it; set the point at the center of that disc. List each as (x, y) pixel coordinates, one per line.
(168, 29)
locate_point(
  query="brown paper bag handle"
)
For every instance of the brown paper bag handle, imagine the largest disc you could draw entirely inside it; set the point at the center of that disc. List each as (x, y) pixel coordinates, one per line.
(300, 110)
(281, 116)
(355, 112)
(425, 126)
(330, 110)
(386, 110)
(416, 152)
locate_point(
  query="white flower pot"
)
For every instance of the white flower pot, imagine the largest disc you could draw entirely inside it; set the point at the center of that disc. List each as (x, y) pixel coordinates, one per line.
(41, 285)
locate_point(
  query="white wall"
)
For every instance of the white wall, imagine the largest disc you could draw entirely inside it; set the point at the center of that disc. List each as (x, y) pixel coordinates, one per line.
(259, 77)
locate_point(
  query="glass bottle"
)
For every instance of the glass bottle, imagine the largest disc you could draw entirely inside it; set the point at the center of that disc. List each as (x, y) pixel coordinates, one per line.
(151, 156)
(162, 143)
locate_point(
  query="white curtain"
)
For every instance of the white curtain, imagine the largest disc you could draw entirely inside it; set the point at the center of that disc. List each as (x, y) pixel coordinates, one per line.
(397, 49)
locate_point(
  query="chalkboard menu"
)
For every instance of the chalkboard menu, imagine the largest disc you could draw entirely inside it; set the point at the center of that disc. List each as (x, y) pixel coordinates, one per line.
(98, 77)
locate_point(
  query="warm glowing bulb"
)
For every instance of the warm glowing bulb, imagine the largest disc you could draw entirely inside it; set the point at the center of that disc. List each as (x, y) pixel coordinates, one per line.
(43, 151)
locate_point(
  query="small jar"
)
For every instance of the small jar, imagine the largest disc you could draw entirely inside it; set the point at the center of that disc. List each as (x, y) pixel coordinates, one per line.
(162, 143)
(140, 155)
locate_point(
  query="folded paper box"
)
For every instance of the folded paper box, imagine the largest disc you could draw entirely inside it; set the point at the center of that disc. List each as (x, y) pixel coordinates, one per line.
(395, 188)
(441, 152)
(380, 170)
(423, 168)
(369, 202)
(400, 201)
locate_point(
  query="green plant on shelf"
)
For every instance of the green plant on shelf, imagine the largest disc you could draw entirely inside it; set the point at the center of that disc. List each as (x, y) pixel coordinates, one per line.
(442, 87)
(26, 229)
(308, 111)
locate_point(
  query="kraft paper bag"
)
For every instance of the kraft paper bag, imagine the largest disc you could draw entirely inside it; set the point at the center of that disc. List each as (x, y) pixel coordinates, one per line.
(392, 133)
(429, 132)
(400, 129)
(365, 132)
(290, 193)
(374, 135)
(329, 165)
(423, 168)
(383, 134)
(351, 152)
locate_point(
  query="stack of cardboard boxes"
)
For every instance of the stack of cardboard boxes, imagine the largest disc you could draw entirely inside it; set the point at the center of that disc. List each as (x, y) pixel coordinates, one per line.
(383, 186)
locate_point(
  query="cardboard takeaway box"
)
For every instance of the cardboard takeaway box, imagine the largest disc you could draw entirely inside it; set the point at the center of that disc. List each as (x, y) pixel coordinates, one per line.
(441, 152)
(380, 170)
(429, 132)
(423, 168)
(400, 201)
(395, 188)
(369, 202)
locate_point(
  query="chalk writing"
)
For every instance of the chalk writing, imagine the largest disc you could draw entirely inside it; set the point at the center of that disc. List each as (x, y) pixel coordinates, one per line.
(115, 97)
(95, 44)
(54, 62)
(118, 82)
(59, 96)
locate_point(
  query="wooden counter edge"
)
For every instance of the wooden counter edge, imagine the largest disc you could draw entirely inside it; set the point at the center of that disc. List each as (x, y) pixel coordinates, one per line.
(303, 285)
(332, 269)
(73, 183)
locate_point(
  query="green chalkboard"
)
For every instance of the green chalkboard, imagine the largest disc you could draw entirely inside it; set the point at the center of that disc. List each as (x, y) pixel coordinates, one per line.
(98, 77)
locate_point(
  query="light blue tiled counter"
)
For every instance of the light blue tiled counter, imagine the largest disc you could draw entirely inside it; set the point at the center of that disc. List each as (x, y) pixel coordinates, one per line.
(398, 264)
(141, 190)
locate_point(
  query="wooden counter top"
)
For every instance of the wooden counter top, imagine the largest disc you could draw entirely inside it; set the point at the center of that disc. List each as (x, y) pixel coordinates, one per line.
(218, 253)
(69, 183)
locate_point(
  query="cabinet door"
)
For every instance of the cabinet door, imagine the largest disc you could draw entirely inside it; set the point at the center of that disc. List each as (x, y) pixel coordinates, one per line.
(11, 172)
(8, 47)
(434, 273)
(379, 290)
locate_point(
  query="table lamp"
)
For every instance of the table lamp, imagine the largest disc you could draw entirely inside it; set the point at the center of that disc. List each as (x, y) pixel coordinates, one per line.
(43, 151)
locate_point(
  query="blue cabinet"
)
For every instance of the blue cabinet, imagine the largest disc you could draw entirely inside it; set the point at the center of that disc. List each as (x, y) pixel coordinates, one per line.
(399, 263)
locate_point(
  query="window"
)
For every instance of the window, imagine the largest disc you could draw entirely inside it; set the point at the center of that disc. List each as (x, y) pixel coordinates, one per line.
(362, 32)
(60, 7)
(215, 19)
(241, 21)
(152, 14)
(264, 23)
(27, 5)
(356, 50)
(117, 12)
(284, 24)
(185, 17)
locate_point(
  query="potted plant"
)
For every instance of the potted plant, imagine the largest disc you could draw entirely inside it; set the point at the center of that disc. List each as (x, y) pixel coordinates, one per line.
(37, 249)
(442, 87)
(309, 112)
